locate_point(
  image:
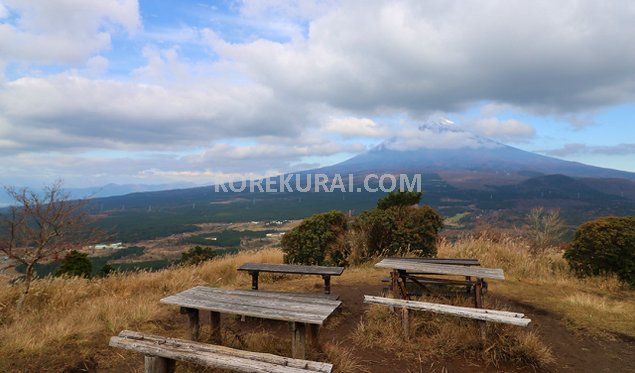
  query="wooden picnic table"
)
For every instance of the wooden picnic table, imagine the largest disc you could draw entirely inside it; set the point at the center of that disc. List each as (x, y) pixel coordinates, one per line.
(326, 272)
(404, 269)
(297, 309)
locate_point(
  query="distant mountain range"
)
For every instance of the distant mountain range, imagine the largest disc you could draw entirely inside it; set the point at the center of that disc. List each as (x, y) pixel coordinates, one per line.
(464, 175)
(108, 190)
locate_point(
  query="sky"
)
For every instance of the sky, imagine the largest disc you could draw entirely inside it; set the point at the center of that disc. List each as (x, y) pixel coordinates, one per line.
(124, 91)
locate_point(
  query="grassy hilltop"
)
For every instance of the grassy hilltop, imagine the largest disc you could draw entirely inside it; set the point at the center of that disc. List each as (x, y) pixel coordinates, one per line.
(67, 323)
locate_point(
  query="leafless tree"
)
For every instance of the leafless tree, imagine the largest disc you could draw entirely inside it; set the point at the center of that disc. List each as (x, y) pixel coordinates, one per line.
(546, 228)
(42, 226)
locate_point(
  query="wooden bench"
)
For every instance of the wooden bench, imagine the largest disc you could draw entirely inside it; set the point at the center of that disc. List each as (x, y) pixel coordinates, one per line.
(326, 272)
(483, 315)
(505, 317)
(161, 354)
(297, 309)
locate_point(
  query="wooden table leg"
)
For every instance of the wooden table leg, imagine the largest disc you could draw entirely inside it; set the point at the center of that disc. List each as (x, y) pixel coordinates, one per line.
(401, 282)
(478, 303)
(313, 336)
(394, 284)
(254, 280)
(298, 350)
(327, 284)
(195, 326)
(215, 335)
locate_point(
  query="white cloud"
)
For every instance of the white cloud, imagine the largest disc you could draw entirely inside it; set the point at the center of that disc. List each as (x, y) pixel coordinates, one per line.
(301, 68)
(422, 56)
(78, 112)
(63, 31)
(97, 65)
(436, 136)
(4, 12)
(504, 130)
(351, 127)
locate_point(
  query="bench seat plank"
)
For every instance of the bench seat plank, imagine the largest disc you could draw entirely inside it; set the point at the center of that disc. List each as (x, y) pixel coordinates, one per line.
(442, 269)
(292, 268)
(213, 355)
(505, 317)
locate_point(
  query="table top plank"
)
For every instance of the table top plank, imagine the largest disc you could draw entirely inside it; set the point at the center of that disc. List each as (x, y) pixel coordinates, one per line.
(253, 299)
(441, 269)
(292, 268)
(304, 309)
(451, 261)
(260, 294)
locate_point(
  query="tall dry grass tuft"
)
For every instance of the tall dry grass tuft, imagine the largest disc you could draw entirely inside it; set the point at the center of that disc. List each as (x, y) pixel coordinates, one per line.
(437, 337)
(343, 358)
(65, 321)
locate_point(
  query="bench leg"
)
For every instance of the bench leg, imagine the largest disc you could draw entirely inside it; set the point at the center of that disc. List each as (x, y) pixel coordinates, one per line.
(405, 323)
(298, 350)
(254, 280)
(195, 326)
(215, 335)
(157, 364)
(327, 284)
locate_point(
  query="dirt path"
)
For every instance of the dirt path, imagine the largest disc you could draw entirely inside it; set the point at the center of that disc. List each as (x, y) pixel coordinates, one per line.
(579, 352)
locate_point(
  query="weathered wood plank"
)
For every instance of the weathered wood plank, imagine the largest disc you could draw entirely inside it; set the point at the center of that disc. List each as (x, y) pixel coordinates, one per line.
(299, 304)
(213, 355)
(251, 311)
(295, 297)
(304, 309)
(452, 261)
(442, 269)
(473, 313)
(292, 268)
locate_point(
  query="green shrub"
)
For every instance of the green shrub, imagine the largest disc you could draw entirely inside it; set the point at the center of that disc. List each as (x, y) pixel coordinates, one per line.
(75, 264)
(197, 255)
(106, 270)
(399, 199)
(398, 230)
(605, 245)
(318, 240)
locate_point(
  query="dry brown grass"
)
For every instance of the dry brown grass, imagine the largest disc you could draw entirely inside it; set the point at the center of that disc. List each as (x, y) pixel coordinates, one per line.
(68, 321)
(597, 304)
(437, 337)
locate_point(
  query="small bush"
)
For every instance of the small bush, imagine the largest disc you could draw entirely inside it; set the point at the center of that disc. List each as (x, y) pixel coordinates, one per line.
(398, 230)
(603, 246)
(75, 264)
(399, 199)
(317, 240)
(197, 255)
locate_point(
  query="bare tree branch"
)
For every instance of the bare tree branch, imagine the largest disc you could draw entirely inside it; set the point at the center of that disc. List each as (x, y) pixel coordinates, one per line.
(40, 227)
